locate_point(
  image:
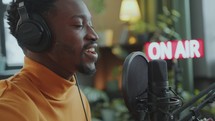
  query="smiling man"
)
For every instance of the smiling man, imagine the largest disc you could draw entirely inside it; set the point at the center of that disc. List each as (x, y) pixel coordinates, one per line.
(58, 39)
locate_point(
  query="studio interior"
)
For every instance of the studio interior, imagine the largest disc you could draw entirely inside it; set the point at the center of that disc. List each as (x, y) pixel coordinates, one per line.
(180, 32)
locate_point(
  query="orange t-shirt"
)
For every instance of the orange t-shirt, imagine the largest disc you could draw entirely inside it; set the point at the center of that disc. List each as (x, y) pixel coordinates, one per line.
(38, 94)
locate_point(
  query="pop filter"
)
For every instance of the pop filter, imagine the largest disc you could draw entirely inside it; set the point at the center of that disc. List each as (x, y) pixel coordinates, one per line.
(135, 84)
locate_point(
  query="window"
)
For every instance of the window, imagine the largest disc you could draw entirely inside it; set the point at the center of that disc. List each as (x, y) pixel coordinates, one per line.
(6, 1)
(12, 53)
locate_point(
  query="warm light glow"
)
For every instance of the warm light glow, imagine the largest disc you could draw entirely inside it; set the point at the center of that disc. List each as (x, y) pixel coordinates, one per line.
(132, 40)
(129, 11)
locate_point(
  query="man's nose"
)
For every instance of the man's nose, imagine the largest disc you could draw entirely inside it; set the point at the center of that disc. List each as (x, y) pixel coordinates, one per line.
(91, 34)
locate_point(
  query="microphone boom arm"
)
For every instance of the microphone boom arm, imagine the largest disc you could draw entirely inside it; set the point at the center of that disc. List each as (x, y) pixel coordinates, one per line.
(209, 99)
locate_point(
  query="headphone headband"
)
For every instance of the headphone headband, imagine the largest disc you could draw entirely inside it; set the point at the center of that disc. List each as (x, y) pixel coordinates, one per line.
(22, 11)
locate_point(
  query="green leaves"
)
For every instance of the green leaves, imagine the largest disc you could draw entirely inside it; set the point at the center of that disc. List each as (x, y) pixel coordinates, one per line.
(97, 6)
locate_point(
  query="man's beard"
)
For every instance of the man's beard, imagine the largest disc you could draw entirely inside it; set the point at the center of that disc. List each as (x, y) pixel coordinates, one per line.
(84, 69)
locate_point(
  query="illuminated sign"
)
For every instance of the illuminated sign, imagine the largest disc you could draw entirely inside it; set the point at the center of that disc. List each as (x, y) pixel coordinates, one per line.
(176, 49)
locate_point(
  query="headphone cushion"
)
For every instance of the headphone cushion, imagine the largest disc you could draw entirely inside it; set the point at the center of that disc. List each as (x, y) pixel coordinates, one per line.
(34, 34)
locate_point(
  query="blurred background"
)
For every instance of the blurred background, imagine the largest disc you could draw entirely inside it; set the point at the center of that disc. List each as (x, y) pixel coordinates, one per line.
(124, 26)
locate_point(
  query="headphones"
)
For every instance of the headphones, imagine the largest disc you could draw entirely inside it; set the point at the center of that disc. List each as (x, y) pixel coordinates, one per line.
(32, 31)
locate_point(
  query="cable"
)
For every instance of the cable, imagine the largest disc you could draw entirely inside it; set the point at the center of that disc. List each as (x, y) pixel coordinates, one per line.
(81, 97)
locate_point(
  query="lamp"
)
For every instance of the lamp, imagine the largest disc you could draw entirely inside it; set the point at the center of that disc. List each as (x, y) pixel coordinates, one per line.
(129, 11)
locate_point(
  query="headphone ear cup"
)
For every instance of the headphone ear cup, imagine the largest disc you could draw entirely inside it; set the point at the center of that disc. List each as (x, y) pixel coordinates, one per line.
(34, 34)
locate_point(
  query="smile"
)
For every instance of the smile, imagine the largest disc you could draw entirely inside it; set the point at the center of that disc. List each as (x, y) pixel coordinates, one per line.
(91, 50)
(91, 53)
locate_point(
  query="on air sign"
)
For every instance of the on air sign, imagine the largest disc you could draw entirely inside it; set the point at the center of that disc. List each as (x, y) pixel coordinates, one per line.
(176, 49)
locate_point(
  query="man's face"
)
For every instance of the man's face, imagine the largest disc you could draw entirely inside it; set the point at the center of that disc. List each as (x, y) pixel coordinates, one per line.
(73, 37)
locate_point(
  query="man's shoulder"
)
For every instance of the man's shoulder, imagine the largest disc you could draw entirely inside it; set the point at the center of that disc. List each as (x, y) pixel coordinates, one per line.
(13, 110)
(12, 90)
(3, 86)
(8, 87)
(14, 103)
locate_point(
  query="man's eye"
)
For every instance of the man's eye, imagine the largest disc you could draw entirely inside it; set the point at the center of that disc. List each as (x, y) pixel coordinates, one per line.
(78, 26)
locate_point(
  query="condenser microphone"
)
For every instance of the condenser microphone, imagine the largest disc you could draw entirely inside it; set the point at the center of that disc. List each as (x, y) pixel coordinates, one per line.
(158, 88)
(145, 88)
(161, 97)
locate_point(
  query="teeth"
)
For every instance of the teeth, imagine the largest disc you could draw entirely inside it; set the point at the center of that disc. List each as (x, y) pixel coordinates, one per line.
(91, 50)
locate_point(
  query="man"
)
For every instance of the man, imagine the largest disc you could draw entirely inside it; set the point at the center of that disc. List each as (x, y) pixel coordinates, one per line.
(58, 39)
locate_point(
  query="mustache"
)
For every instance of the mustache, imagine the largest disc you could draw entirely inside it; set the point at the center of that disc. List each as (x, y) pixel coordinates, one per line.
(89, 44)
(86, 45)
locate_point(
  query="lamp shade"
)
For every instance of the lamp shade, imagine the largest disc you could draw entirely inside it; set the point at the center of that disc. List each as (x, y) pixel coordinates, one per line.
(129, 11)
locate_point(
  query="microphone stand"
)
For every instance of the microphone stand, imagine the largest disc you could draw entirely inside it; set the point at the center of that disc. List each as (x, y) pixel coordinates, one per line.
(194, 111)
(177, 72)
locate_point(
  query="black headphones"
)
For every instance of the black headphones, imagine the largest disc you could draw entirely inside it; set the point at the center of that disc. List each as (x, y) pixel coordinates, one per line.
(32, 31)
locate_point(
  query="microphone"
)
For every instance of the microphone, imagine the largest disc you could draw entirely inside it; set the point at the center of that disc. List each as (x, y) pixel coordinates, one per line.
(145, 88)
(147, 94)
(159, 90)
